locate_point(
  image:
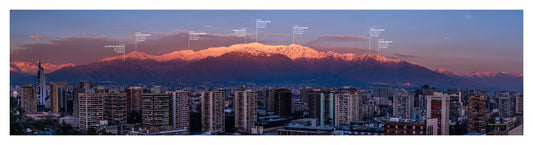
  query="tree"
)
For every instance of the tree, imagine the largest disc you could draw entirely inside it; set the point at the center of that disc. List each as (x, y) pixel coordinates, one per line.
(17, 121)
(65, 129)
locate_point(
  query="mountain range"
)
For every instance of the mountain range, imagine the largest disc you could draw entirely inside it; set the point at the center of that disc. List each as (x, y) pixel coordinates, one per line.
(264, 65)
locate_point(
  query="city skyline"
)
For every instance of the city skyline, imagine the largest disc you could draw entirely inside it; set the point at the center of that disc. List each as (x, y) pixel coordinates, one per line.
(266, 72)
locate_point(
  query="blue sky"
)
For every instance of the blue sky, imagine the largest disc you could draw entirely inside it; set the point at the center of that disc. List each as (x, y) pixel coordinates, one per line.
(460, 41)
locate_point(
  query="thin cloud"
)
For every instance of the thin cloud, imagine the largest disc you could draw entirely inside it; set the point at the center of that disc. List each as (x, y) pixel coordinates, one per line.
(344, 49)
(405, 55)
(77, 50)
(86, 49)
(327, 40)
(275, 34)
(36, 37)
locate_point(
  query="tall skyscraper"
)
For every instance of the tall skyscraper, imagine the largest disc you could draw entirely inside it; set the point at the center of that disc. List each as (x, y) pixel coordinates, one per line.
(404, 107)
(180, 114)
(347, 108)
(477, 109)
(156, 110)
(282, 102)
(322, 106)
(245, 102)
(43, 92)
(28, 97)
(58, 96)
(212, 111)
(134, 97)
(438, 106)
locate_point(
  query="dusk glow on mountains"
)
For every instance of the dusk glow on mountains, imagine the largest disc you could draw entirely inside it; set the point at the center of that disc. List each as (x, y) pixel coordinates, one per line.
(267, 72)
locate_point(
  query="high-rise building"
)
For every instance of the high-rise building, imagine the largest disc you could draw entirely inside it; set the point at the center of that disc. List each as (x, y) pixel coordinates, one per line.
(28, 97)
(347, 108)
(115, 108)
(58, 96)
(91, 110)
(506, 105)
(156, 110)
(245, 103)
(420, 95)
(96, 108)
(43, 92)
(304, 96)
(477, 109)
(519, 108)
(81, 87)
(519, 103)
(455, 104)
(269, 100)
(134, 99)
(313, 97)
(438, 106)
(282, 102)
(322, 106)
(212, 111)
(180, 114)
(403, 107)
(261, 100)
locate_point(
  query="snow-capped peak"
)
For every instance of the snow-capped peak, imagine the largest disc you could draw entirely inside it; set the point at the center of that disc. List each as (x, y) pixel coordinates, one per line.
(477, 74)
(31, 67)
(132, 55)
(293, 51)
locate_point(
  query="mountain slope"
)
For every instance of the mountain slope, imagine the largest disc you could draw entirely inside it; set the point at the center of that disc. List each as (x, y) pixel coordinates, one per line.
(31, 67)
(274, 66)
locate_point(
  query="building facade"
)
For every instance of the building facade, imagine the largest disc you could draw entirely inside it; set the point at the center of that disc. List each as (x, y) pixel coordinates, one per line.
(438, 106)
(347, 108)
(58, 96)
(115, 108)
(282, 102)
(212, 111)
(81, 87)
(405, 128)
(404, 107)
(477, 110)
(43, 91)
(180, 109)
(134, 99)
(91, 110)
(28, 97)
(245, 103)
(95, 109)
(322, 106)
(156, 110)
